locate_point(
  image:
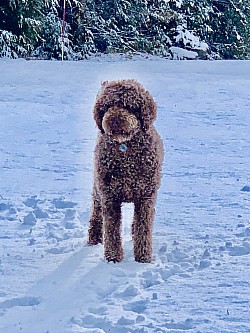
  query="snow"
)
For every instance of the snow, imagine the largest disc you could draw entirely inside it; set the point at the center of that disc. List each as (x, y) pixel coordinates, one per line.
(181, 54)
(188, 38)
(50, 281)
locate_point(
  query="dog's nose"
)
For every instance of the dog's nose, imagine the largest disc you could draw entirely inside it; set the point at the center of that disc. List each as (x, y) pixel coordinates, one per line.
(116, 123)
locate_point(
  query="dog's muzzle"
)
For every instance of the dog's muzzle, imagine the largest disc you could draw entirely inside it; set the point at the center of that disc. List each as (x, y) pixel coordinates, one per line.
(120, 124)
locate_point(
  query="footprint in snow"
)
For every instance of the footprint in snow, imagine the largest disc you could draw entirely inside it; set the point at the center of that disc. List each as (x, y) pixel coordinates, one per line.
(102, 310)
(106, 291)
(93, 321)
(21, 301)
(40, 214)
(130, 291)
(29, 220)
(125, 321)
(4, 206)
(63, 204)
(70, 221)
(240, 250)
(245, 188)
(151, 278)
(31, 202)
(183, 326)
(137, 306)
(80, 323)
(244, 233)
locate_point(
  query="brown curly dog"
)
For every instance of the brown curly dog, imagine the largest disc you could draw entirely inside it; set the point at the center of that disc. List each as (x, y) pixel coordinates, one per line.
(128, 159)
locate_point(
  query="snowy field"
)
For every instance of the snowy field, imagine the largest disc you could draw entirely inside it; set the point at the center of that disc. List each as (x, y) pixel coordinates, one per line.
(50, 281)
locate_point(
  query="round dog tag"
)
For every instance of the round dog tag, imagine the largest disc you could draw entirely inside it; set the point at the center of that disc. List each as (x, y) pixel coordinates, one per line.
(123, 147)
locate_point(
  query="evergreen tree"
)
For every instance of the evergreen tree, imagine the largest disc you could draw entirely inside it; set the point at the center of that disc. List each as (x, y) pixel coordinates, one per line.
(34, 27)
(20, 21)
(228, 28)
(221, 23)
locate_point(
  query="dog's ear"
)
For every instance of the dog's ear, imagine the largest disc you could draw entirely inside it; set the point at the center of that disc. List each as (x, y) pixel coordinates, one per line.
(102, 104)
(99, 111)
(148, 110)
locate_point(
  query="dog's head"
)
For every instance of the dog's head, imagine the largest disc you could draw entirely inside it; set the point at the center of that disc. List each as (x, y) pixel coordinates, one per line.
(123, 108)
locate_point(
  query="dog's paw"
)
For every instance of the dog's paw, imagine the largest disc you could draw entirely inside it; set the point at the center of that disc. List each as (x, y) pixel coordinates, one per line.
(114, 260)
(114, 256)
(144, 259)
(94, 241)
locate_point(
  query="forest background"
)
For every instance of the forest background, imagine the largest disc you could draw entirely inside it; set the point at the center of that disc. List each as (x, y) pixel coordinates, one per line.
(175, 29)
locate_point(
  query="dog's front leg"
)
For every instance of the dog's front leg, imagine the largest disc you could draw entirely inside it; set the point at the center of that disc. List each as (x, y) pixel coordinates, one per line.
(142, 229)
(112, 230)
(95, 232)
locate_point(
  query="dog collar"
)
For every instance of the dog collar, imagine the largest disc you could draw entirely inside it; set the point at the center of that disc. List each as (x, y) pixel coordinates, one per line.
(123, 147)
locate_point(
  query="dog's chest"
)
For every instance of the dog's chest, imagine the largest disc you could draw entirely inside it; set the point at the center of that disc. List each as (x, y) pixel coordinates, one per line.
(126, 161)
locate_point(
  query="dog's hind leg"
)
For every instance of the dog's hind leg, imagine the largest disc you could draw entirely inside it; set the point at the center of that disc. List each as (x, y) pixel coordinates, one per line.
(142, 229)
(112, 230)
(95, 232)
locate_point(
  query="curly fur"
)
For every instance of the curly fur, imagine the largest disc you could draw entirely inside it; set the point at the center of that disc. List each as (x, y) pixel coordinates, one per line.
(129, 172)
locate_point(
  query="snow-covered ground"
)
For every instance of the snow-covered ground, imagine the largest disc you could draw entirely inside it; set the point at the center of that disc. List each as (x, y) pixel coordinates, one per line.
(50, 281)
